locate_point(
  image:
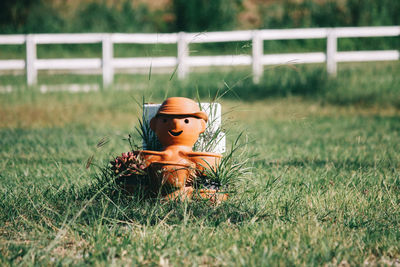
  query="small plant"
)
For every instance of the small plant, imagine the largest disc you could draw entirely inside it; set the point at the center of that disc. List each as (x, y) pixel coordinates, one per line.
(232, 167)
(129, 169)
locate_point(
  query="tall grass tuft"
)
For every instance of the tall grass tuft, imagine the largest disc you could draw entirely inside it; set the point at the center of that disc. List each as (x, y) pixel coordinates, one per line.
(233, 167)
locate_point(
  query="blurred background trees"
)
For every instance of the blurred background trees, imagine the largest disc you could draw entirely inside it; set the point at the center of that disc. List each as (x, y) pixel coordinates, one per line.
(210, 15)
(35, 16)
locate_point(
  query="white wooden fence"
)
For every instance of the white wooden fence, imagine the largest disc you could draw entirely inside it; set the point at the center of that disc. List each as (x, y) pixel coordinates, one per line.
(108, 63)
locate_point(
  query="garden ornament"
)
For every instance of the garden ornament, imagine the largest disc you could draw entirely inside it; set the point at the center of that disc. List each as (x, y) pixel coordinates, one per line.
(177, 125)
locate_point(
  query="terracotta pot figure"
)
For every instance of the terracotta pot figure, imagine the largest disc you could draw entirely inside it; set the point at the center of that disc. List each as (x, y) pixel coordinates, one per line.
(178, 124)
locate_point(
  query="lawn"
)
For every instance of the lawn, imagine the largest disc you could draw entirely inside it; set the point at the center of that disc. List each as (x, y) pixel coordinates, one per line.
(324, 187)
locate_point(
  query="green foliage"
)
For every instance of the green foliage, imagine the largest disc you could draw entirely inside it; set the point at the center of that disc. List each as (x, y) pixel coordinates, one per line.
(99, 17)
(329, 13)
(43, 18)
(206, 15)
(38, 16)
(14, 13)
(95, 17)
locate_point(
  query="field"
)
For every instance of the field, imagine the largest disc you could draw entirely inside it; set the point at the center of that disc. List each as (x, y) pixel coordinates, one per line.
(324, 188)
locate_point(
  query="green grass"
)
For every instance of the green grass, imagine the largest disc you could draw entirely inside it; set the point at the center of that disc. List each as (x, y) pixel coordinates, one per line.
(356, 83)
(324, 189)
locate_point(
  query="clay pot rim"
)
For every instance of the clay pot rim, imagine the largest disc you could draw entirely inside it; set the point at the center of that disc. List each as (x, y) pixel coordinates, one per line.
(203, 154)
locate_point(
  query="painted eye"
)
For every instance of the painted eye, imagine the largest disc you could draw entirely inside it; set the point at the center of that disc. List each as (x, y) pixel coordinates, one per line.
(164, 120)
(186, 121)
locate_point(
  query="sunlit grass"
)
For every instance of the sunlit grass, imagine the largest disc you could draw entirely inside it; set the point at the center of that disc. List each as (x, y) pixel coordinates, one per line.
(324, 188)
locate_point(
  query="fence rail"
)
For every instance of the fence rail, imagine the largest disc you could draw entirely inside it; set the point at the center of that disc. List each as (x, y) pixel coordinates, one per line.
(108, 63)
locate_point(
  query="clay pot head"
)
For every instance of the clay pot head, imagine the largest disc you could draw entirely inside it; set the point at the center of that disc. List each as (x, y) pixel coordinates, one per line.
(179, 121)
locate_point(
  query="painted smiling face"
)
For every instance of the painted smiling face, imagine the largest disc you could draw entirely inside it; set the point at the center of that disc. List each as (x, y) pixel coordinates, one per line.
(179, 121)
(182, 130)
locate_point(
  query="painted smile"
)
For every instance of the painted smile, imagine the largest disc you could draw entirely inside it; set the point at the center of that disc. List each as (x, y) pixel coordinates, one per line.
(175, 133)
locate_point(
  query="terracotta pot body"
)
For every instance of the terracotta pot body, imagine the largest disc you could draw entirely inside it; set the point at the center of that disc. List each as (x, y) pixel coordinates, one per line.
(169, 174)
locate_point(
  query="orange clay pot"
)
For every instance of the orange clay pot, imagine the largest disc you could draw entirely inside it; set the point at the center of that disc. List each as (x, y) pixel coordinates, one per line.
(178, 124)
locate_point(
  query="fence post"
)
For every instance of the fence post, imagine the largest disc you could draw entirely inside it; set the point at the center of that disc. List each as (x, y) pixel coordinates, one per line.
(331, 48)
(107, 67)
(257, 53)
(31, 71)
(183, 54)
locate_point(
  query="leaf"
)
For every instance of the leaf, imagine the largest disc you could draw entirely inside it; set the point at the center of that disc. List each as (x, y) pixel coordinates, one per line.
(103, 141)
(89, 161)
